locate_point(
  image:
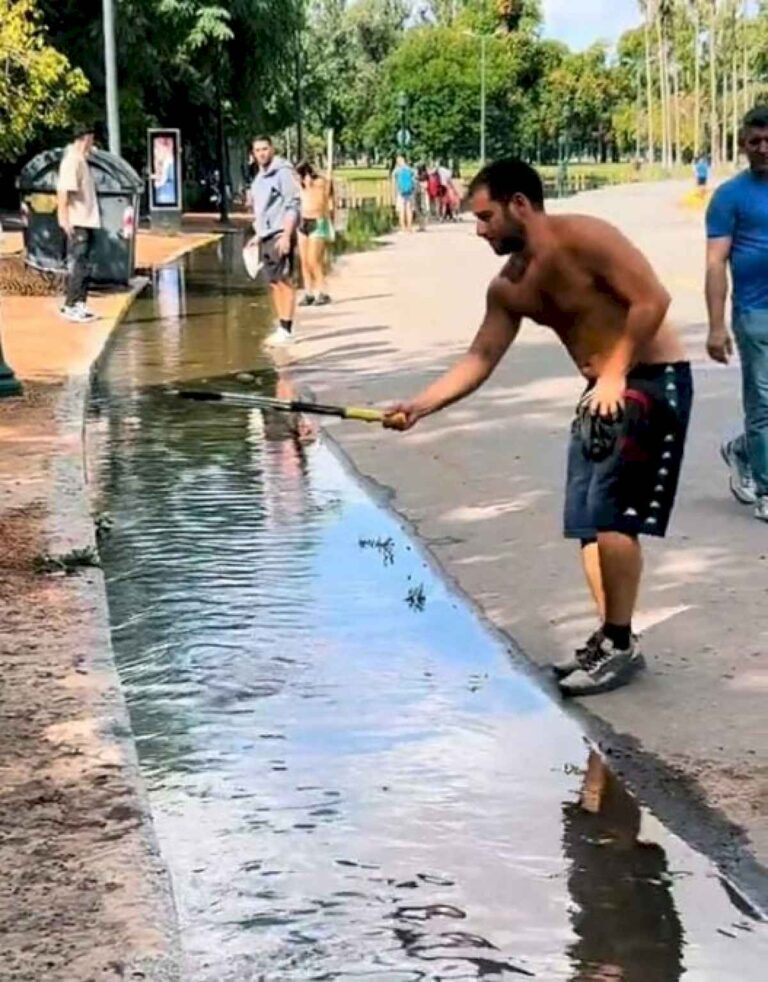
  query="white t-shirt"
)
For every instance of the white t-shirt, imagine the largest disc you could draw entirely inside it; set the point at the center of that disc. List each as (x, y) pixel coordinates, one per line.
(75, 177)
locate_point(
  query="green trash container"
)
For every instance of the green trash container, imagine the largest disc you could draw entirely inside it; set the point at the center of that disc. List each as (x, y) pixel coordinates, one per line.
(118, 189)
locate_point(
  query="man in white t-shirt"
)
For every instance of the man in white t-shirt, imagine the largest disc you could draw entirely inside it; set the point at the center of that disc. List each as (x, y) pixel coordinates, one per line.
(78, 215)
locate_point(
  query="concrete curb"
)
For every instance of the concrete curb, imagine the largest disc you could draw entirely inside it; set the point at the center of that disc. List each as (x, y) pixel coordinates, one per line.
(71, 525)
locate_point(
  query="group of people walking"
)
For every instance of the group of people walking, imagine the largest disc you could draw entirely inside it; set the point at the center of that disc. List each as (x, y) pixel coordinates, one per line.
(424, 192)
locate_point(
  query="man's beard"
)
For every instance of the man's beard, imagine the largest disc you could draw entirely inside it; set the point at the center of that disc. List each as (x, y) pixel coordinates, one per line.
(511, 243)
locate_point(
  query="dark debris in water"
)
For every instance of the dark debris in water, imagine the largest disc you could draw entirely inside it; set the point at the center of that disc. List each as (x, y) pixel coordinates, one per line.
(416, 598)
(385, 548)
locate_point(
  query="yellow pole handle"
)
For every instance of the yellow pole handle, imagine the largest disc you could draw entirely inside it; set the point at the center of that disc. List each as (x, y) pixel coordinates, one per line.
(364, 415)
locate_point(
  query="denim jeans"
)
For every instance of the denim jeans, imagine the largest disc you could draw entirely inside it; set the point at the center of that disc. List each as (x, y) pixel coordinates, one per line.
(79, 248)
(750, 329)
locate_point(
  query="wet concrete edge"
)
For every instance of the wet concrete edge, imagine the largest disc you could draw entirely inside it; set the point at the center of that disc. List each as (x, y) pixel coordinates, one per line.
(71, 525)
(674, 797)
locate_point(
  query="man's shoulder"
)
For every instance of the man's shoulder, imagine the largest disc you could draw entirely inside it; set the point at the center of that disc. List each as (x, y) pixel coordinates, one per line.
(69, 157)
(579, 233)
(736, 186)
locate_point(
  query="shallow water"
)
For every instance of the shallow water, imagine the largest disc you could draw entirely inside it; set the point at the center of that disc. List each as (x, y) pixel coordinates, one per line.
(350, 776)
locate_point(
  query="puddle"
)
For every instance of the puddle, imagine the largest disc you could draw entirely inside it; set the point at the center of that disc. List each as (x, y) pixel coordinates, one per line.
(350, 779)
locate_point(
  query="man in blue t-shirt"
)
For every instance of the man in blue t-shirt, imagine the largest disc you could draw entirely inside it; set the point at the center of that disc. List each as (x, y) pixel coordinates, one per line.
(737, 235)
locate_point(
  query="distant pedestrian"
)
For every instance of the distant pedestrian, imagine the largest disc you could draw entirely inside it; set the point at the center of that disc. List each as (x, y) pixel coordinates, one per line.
(433, 190)
(422, 196)
(276, 202)
(79, 218)
(404, 180)
(445, 177)
(737, 235)
(701, 171)
(315, 232)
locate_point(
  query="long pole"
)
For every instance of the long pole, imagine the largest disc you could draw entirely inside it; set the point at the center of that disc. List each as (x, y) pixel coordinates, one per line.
(221, 148)
(110, 66)
(483, 39)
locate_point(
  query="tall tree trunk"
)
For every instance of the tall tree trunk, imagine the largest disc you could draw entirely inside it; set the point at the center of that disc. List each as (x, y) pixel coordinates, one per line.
(649, 86)
(696, 79)
(678, 155)
(745, 75)
(713, 134)
(663, 92)
(724, 116)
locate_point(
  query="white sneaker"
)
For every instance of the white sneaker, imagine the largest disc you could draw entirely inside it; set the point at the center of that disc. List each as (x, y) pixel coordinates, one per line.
(84, 313)
(279, 337)
(761, 507)
(70, 313)
(741, 482)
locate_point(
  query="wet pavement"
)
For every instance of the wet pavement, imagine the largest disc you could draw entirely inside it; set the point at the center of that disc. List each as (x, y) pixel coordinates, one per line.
(351, 777)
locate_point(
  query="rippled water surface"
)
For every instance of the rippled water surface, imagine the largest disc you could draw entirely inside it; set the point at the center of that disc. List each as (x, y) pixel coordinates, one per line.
(350, 778)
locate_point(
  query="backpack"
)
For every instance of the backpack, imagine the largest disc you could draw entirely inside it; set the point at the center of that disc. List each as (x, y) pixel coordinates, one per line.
(404, 180)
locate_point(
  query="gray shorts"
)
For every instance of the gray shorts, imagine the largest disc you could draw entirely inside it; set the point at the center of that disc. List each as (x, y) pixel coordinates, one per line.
(277, 268)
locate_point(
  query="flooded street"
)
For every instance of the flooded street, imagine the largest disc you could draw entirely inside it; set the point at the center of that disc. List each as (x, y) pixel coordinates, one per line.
(350, 775)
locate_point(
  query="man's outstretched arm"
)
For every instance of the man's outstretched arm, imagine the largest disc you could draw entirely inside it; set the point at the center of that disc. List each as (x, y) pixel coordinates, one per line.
(498, 330)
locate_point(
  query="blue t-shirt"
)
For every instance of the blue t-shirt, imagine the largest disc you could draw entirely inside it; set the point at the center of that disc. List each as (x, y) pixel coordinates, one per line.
(739, 210)
(404, 180)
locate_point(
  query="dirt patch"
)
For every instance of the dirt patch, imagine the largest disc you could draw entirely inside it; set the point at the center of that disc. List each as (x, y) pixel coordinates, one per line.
(81, 892)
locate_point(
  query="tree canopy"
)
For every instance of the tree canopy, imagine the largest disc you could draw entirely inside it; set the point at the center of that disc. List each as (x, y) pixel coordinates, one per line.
(38, 86)
(672, 87)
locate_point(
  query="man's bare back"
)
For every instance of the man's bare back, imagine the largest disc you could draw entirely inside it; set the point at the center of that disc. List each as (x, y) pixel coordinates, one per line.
(569, 284)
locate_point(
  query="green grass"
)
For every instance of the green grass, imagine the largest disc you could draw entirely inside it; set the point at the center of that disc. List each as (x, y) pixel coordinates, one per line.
(615, 173)
(362, 173)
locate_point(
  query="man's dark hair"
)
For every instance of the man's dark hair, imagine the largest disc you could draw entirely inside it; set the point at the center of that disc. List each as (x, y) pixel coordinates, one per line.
(756, 118)
(262, 139)
(305, 169)
(83, 129)
(505, 178)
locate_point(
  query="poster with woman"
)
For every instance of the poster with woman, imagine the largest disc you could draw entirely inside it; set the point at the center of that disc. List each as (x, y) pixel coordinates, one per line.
(164, 170)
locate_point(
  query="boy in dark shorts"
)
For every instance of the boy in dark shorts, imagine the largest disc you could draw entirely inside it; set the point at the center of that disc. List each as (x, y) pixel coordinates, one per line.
(581, 277)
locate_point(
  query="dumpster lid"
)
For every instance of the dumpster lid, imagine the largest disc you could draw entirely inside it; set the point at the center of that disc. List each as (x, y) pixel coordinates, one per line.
(111, 173)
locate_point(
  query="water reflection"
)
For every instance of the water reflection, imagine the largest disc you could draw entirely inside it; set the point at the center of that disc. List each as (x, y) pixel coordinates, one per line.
(616, 878)
(343, 786)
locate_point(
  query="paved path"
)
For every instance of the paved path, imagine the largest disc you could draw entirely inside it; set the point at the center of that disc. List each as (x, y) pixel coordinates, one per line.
(482, 485)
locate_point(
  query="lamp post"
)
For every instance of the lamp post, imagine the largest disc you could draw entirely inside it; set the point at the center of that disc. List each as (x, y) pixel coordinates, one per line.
(483, 90)
(403, 134)
(483, 40)
(564, 152)
(110, 73)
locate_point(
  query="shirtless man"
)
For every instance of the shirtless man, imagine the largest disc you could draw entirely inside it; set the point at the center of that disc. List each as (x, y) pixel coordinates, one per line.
(584, 279)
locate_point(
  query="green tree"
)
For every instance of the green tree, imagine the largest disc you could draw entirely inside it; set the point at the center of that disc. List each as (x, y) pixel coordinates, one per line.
(38, 87)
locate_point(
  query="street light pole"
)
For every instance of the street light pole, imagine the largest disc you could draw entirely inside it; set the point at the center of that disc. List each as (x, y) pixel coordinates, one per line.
(483, 40)
(110, 66)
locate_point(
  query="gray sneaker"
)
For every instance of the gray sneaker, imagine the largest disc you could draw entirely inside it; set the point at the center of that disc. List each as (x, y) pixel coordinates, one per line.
(604, 669)
(761, 507)
(579, 659)
(741, 482)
